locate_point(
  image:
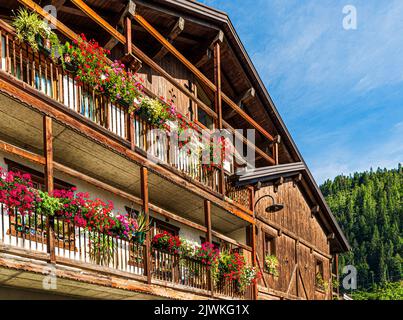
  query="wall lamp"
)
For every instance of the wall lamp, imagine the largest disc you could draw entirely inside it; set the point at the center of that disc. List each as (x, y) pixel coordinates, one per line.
(274, 207)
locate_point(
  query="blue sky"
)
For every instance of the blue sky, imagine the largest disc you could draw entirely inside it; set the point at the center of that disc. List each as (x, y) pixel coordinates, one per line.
(339, 92)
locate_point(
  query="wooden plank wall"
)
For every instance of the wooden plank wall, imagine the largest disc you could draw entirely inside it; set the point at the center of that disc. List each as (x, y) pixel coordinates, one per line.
(295, 229)
(161, 87)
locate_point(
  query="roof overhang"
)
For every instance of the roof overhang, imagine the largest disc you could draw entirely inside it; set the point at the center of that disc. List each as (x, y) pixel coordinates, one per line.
(272, 173)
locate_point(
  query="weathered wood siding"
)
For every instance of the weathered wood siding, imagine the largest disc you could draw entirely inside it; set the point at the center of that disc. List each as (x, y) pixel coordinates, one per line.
(162, 88)
(299, 241)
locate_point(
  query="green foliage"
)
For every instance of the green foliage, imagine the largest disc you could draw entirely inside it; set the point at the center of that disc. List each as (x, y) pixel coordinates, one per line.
(47, 205)
(271, 264)
(29, 26)
(369, 208)
(388, 291)
(143, 226)
(155, 112)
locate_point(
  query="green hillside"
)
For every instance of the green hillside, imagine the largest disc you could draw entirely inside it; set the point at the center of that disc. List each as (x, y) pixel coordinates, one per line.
(369, 208)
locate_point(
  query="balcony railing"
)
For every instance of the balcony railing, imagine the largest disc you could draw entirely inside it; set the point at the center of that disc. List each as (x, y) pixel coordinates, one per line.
(75, 246)
(41, 73)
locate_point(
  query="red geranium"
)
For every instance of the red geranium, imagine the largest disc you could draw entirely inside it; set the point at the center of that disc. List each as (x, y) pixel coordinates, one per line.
(167, 241)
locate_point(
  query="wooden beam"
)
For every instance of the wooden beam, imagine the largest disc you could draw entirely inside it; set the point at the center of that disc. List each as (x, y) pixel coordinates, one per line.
(58, 3)
(254, 261)
(219, 38)
(143, 22)
(218, 104)
(72, 11)
(6, 147)
(175, 32)
(245, 97)
(145, 199)
(48, 172)
(127, 12)
(209, 239)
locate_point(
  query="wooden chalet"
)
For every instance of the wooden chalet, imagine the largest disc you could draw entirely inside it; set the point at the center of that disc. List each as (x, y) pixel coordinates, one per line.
(65, 135)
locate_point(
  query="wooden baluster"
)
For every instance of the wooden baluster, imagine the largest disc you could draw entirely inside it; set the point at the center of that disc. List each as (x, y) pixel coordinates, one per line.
(21, 65)
(7, 55)
(2, 67)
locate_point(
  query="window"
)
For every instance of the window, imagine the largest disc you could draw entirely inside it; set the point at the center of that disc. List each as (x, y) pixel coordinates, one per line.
(319, 275)
(161, 226)
(202, 116)
(38, 178)
(269, 245)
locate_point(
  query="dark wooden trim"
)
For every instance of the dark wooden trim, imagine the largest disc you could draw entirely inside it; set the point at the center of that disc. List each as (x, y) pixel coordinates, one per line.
(254, 261)
(218, 104)
(49, 183)
(209, 238)
(145, 199)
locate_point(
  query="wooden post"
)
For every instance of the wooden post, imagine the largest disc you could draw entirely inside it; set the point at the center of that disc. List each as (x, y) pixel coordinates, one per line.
(336, 257)
(209, 238)
(144, 197)
(48, 154)
(218, 105)
(128, 27)
(276, 143)
(254, 261)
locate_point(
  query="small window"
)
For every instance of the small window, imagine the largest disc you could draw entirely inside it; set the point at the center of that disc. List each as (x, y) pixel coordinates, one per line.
(269, 245)
(161, 226)
(319, 274)
(37, 178)
(202, 115)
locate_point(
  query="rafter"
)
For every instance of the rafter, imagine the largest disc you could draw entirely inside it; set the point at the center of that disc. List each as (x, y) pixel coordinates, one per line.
(175, 32)
(209, 51)
(241, 100)
(129, 10)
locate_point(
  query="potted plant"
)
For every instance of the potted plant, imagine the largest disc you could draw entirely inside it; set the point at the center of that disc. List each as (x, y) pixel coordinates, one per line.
(142, 228)
(36, 32)
(271, 265)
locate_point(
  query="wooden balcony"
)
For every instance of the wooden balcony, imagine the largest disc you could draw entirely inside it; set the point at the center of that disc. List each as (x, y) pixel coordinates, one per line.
(39, 72)
(73, 246)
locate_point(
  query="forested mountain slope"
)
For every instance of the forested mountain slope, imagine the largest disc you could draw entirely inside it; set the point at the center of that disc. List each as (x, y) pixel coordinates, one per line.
(369, 208)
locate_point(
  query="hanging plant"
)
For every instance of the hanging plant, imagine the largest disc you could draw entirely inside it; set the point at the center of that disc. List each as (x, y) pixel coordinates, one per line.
(156, 112)
(29, 27)
(167, 242)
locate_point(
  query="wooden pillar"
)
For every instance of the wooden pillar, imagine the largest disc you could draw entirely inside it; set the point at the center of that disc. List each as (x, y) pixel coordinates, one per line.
(218, 104)
(130, 131)
(276, 143)
(128, 29)
(336, 257)
(48, 154)
(209, 238)
(254, 260)
(144, 197)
